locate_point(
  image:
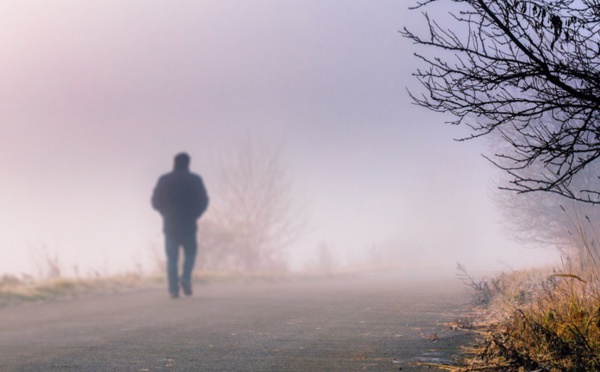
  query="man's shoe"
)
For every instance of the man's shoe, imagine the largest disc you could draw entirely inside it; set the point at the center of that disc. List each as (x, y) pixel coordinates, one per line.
(174, 296)
(187, 288)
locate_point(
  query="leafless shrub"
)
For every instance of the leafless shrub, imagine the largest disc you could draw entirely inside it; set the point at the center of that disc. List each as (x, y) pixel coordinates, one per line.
(483, 292)
(253, 216)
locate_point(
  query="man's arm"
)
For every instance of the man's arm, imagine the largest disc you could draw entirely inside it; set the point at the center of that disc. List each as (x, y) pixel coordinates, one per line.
(201, 203)
(158, 196)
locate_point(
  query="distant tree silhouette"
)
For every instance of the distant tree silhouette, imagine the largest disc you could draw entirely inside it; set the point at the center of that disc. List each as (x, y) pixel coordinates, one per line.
(254, 215)
(528, 70)
(548, 220)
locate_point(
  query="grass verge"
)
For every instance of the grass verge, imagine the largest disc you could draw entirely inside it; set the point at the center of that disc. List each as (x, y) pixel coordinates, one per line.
(538, 320)
(15, 291)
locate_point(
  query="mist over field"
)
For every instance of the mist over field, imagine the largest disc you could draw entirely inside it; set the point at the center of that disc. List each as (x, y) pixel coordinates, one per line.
(97, 98)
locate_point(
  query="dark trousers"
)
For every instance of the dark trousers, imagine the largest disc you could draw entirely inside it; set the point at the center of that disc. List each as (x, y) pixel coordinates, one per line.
(172, 245)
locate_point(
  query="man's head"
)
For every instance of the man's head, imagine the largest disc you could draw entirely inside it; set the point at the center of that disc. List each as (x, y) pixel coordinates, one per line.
(182, 161)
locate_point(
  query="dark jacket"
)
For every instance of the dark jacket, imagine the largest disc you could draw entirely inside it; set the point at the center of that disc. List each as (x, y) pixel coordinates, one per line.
(181, 198)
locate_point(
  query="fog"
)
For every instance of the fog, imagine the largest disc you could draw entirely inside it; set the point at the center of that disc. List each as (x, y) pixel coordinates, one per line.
(97, 97)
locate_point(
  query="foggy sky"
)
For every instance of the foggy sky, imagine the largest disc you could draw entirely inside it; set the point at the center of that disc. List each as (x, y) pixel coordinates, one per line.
(97, 97)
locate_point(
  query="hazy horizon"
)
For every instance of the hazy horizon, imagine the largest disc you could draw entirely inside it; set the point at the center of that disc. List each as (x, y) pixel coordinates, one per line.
(97, 97)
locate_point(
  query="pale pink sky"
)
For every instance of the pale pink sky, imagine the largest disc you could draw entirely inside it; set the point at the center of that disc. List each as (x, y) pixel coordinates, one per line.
(97, 96)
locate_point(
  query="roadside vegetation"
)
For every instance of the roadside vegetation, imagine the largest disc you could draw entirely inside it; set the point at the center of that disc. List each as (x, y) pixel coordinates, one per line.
(52, 281)
(544, 319)
(16, 290)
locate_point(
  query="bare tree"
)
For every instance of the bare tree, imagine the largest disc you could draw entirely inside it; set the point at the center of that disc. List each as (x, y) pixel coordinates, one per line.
(253, 217)
(550, 220)
(528, 70)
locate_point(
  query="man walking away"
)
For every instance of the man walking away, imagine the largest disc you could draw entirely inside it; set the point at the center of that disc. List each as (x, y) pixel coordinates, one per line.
(180, 197)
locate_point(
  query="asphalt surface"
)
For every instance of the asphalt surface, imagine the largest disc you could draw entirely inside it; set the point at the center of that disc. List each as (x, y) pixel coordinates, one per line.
(372, 322)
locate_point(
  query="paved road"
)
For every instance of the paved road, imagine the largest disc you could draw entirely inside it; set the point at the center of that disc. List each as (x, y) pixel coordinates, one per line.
(374, 322)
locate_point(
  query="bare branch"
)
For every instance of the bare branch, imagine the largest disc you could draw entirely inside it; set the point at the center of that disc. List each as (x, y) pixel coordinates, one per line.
(528, 69)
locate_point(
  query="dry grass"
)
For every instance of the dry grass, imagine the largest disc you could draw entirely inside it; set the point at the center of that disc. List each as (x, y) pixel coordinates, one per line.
(14, 290)
(541, 319)
(545, 323)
